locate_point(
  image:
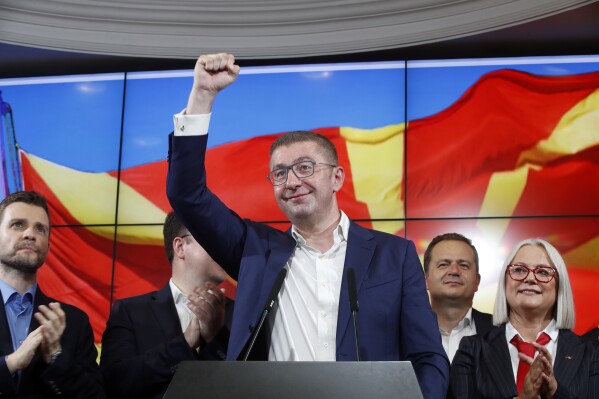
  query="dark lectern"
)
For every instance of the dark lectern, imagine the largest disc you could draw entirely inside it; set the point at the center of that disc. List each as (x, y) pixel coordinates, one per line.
(294, 380)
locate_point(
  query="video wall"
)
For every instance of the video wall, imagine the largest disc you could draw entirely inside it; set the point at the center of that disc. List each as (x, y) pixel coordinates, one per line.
(496, 149)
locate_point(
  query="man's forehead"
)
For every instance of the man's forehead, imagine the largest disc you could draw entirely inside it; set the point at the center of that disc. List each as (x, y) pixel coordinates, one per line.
(295, 152)
(452, 249)
(24, 211)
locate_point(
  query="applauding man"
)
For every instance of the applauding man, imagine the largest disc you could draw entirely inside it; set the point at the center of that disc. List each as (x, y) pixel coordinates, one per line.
(147, 336)
(46, 348)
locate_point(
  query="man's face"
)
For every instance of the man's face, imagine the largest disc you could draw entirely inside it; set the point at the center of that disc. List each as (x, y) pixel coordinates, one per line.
(24, 237)
(311, 197)
(198, 259)
(452, 272)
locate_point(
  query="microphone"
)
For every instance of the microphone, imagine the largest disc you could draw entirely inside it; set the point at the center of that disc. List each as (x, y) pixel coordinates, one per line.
(270, 302)
(353, 305)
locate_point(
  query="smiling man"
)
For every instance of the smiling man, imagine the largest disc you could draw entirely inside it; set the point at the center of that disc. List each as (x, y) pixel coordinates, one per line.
(52, 353)
(312, 321)
(452, 279)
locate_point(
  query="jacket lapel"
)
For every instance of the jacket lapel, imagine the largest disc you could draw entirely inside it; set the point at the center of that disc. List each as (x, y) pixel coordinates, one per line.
(482, 321)
(280, 248)
(26, 375)
(165, 312)
(499, 363)
(359, 253)
(569, 354)
(5, 337)
(278, 253)
(40, 299)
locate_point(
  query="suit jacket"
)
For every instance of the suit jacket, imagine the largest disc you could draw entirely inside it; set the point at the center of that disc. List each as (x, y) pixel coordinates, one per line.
(143, 345)
(592, 336)
(482, 367)
(74, 374)
(395, 320)
(482, 321)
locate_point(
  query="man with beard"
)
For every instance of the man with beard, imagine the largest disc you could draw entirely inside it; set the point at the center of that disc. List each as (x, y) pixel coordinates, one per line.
(52, 353)
(452, 278)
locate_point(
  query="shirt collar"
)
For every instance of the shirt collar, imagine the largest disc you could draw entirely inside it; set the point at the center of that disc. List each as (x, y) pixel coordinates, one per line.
(465, 322)
(339, 233)
(7, 290)
(550, 330)
(178, 296)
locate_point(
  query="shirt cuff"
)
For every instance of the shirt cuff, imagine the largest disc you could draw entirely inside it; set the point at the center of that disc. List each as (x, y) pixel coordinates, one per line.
(191, 125)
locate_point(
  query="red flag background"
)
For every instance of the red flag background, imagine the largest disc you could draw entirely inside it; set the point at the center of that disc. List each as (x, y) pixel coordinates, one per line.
(516, 156)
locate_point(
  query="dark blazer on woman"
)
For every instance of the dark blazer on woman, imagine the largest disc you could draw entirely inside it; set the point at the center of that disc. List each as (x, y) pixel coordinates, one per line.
(482, 321)
(482, 367)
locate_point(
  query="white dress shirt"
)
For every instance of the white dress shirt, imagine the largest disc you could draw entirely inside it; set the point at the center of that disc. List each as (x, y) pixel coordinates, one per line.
(550, 330)
(305, 326)
(451, 340)
(191, 125)
(184, 313)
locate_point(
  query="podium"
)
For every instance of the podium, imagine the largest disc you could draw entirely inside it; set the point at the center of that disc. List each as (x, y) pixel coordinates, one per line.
(293, 380)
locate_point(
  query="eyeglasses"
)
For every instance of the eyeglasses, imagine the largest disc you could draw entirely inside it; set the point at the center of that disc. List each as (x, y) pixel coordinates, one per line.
(184, 235)
(519, 272)
(301, 170)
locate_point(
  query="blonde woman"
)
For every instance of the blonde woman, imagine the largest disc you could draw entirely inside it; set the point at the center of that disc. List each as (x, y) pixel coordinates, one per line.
(532, 352)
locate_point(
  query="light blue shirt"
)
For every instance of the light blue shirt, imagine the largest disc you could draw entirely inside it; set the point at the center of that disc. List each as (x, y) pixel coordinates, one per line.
(19, 309)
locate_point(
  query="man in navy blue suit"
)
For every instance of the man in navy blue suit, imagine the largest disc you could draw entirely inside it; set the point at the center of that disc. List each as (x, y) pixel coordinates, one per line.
(312, 321)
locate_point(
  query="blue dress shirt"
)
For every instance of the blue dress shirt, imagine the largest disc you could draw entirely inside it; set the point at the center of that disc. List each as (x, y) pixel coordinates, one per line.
(19, 309)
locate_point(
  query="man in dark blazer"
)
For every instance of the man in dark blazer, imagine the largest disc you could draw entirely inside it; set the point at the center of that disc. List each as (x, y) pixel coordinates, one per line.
(395, 321)
(51, 354)
(451, 268)
(147, 336)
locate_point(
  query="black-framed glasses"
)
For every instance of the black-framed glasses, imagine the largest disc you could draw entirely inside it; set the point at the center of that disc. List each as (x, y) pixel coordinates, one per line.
(301, 170)
(519, 272)
(185, 235)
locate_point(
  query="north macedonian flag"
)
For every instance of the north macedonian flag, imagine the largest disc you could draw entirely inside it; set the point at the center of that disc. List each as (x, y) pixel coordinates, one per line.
(514, 144)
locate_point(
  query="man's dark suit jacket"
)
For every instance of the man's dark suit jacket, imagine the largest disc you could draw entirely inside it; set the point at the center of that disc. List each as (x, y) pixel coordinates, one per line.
(395, 320)
(75, 372)
(482, 321)
(482, 367)
(143, 344)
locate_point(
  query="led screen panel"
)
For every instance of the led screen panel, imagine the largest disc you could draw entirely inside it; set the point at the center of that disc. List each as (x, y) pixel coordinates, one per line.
(505, 137)
(67, 132)
(101, 142)
(360, 106)
(78, 270)
(139, 267)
